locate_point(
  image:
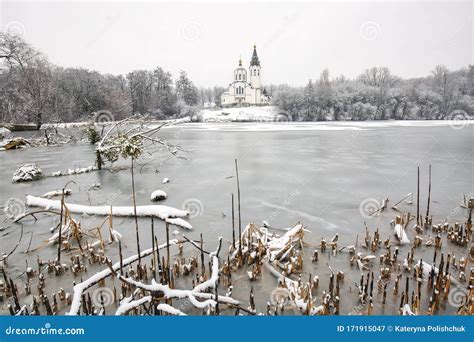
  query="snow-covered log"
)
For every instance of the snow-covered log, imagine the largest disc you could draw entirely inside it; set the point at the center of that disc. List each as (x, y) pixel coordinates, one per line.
(13, 143)
(56, 193)
(161, 211)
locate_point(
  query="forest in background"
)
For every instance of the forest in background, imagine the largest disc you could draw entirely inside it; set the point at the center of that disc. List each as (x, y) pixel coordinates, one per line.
(34, 90)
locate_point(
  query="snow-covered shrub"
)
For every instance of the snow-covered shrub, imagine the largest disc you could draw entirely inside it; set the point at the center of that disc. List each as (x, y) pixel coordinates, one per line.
(27, 173)
(185, 110)
(93, 134)
(123, 145)
(4, 132)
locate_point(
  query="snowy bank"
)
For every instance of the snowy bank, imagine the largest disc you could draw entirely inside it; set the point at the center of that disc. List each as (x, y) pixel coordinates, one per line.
(242, 114)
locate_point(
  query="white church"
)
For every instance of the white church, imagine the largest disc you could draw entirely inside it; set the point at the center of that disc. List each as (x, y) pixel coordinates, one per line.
(246, 88)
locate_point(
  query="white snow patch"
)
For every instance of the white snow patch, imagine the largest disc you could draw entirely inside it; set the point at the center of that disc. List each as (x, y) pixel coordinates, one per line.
(401, 235)
(71, 172)
(242, 114)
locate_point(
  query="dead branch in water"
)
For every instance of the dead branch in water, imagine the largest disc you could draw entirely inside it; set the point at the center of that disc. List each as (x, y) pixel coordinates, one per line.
(33, 213)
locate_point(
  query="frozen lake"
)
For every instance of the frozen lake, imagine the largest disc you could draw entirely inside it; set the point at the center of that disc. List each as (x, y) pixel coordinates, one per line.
(318, 174)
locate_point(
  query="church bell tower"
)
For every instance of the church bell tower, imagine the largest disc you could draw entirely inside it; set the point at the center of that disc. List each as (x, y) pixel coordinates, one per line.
(254, 70)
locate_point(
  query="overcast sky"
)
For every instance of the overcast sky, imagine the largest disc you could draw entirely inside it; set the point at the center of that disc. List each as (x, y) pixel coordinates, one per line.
(295, 41)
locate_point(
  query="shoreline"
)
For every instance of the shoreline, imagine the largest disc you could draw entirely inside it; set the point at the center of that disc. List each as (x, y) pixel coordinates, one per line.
(359, 124)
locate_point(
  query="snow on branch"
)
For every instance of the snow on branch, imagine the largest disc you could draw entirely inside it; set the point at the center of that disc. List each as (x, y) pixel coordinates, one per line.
(169, 309)
(294, 294)
(81, 287)
(169, 293)
(128, 304)
(128, 138)
(212, 281)
(193, 295)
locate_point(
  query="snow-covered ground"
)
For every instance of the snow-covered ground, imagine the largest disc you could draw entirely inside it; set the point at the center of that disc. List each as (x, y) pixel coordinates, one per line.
(270, 118)
(243, 114)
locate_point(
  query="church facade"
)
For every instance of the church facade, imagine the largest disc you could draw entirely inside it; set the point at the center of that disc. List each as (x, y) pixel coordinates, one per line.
(246, 88)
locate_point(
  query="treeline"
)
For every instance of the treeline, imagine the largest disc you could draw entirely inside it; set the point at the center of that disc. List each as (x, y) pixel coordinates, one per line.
(379, 95)
(34, 90)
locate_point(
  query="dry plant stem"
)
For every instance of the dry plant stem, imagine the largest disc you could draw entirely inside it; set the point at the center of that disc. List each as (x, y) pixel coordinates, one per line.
(120, 256)
(238, 206)
(60, 219)
(233, 223)
(418, 198)
(429, 197)
(158, 265)
(203, 268)
(153, 260)
(60, 227)
(136, 219)
(195, 245)
(168, 262)
(111, 224)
